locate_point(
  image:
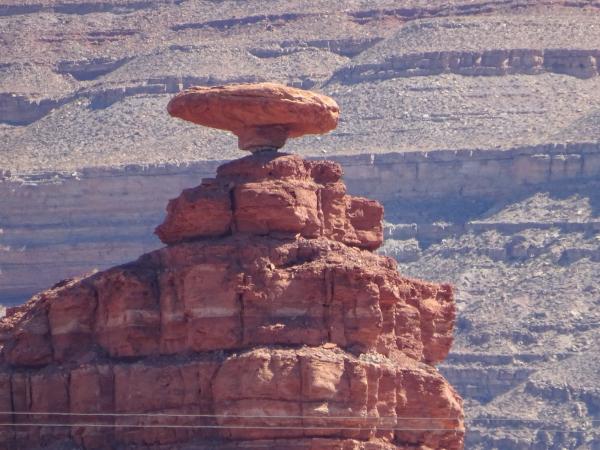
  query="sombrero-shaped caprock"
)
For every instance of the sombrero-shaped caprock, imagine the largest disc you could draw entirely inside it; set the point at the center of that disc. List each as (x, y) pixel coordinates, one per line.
(261, 115)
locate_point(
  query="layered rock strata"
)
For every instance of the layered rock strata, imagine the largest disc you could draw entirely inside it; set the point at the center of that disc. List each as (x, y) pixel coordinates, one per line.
(266, 322)
(579, 63)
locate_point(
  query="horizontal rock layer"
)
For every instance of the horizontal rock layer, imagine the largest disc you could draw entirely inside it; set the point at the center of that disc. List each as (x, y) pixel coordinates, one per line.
(235, 293)
(23, 109)
(98, 218)
(496, 62)
(369, 326)
(251, 396)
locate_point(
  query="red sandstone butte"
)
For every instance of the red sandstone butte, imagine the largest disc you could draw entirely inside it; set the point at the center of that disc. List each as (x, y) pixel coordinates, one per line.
(261, 115)
(267, 322)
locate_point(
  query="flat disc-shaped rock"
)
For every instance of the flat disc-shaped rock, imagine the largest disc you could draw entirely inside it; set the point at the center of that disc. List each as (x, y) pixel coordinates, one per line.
(261, 115)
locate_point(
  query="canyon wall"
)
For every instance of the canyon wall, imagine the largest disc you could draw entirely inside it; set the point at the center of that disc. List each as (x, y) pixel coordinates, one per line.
(19, 109)
(100, 217)
(497, 62)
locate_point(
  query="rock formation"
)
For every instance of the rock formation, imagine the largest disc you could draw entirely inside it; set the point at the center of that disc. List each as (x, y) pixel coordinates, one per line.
(261, 115)
(266, 322)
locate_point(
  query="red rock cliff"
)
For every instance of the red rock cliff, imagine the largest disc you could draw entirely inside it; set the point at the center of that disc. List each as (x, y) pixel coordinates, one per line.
(266, 322)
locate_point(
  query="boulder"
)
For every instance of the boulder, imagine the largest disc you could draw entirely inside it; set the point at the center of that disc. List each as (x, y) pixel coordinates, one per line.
(261, 115)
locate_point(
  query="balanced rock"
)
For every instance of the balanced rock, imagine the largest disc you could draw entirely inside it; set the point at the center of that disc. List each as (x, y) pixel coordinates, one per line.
(261, 115)
(267, 322)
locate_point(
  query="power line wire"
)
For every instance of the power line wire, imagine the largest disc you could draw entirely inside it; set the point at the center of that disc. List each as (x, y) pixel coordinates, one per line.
(242, 427)
(229, 416)
(100, 425)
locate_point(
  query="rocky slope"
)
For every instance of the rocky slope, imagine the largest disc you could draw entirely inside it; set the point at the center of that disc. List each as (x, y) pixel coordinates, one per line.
(525, 269)
(81, 80)
(266, 323)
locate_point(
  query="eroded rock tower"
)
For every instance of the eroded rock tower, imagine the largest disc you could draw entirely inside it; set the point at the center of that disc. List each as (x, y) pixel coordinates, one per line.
(266, 322)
